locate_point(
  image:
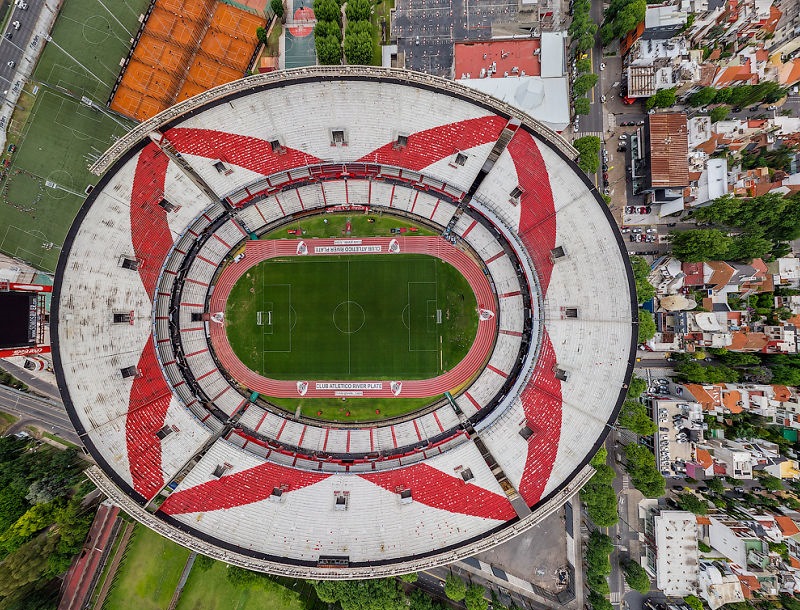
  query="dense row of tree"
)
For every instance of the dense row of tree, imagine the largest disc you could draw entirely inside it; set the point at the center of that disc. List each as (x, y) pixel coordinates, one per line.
(589, 149)
(328, 32)
(759, 227)
(621, 17)
(641, 466)
(598, 495)
(42, 522)
(742, 95)
(357, 34)
(582, 30)
(598, 565)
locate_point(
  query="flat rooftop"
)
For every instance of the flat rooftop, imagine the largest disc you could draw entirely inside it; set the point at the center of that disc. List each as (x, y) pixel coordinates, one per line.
(497, 57)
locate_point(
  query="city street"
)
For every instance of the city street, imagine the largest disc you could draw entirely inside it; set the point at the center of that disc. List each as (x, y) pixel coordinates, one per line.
(48, 415)
(13, 49)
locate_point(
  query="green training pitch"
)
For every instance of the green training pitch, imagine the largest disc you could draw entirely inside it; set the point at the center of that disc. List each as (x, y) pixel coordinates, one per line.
(404, 316)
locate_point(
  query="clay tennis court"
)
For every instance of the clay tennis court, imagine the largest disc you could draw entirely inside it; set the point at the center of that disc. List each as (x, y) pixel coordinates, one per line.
(187, 46)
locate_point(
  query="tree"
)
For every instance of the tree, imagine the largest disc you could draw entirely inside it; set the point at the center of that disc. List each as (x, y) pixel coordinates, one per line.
(694, 602)
(599, 602)
(358, 10)
(329, 50)
(584, 83)
(419, 600)
(715, 485)
(589, 149)
(583, 65)
(634, 417)
(720, 113)
(737, 358)
(747, 247)
(664, 98)
(582, 105)
(771, 483)
(636, 577)
(636, 387)
(358, 27)
(327, 28)
(455, 588)
(358, 48)
(327, 10)
(474, 598)
(641, 465)
(641, 274)
(698, 245)
(694, 372)
(703, 97)
(585, 43)
(261, 34)
(599, 497)
(373, 594)
(647, 326)
(689, 501)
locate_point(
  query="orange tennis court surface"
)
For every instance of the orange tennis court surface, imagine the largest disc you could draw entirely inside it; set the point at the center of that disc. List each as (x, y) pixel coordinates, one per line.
(187, 46)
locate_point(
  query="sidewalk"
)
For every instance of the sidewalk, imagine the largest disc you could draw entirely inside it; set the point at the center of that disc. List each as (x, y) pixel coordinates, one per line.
(31, 49)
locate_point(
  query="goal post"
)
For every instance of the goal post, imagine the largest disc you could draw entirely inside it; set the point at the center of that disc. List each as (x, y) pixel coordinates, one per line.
(264, 318)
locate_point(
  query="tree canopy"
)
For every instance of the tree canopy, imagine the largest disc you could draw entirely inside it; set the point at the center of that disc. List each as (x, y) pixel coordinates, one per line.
(636, 576)
(621, 17)
(641, 465)
(647, 326)
(358, 47)
(694, 372)
(582, 105)
(703, 97)
(699, 245)
(634, 417)
(589, 149)
(641, 273)
(327, 28)
(371, 594)
(455, 588)
(720, 113)
(636, 387)
(663, 98)
(328, 10)
(689, 501)
(770, 216)
(584, 83)
(358, 10)
(474, 598)
(329, 50)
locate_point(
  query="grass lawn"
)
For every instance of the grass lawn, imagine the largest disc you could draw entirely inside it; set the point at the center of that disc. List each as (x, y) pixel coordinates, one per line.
(56, 136)
(211, 590)
(359, 409)
(361, 225)
(6, 421)
(149, 573)
(381, 16)
(352, 317)
(273, 42)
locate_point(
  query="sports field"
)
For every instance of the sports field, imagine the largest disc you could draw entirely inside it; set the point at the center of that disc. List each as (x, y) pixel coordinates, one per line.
(149, 573)
(56, 136)
(361, 225)
(404, 316)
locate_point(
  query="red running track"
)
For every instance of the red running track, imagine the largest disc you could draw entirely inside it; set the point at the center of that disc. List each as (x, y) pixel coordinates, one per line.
(261, 250)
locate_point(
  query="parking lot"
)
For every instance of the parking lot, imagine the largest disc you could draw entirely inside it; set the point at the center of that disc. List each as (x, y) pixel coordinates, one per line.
(679, 425)
(426, 30)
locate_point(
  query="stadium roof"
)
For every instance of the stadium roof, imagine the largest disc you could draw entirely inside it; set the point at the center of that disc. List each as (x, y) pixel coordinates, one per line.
(168, 418)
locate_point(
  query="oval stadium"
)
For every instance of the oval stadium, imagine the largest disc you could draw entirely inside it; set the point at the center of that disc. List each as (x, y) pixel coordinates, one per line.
(342, 322)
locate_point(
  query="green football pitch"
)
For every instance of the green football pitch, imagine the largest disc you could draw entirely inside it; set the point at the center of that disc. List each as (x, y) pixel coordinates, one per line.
(405, 316)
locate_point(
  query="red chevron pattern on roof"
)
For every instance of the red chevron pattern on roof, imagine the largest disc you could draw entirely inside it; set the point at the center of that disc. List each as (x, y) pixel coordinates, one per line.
(149, 228)
(431, 145)
(245, 151)
(149, 401)
(437, 489)
(541, 400)
(238, 489)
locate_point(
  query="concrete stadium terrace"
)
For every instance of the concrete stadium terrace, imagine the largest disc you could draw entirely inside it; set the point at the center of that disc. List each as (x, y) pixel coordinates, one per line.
(155, 399)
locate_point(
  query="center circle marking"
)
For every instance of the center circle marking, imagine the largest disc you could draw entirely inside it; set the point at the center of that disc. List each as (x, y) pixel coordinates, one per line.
(348, 317)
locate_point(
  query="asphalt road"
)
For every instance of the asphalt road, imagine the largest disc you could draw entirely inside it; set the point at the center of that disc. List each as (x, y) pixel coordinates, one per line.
(37, 384)
(47, 414)
(14, 50)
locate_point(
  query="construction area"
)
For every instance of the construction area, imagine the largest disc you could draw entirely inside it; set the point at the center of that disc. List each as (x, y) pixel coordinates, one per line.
(184, 48)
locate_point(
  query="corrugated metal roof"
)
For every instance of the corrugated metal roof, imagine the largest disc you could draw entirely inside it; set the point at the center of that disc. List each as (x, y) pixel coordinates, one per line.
(669, 150)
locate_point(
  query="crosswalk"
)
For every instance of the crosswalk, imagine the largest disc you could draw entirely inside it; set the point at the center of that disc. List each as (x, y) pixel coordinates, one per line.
(615, 597)
(599, 134)
(626, 482)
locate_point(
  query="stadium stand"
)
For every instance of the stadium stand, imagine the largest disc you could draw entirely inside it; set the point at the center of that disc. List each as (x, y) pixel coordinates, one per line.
(165, 408)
